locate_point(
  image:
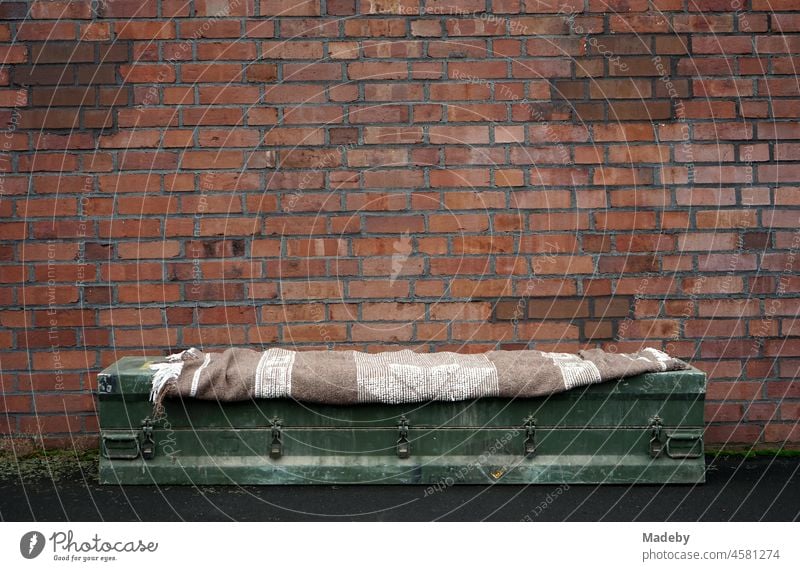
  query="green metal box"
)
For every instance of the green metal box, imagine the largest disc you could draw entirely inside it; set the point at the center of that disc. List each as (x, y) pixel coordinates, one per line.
(643, 429)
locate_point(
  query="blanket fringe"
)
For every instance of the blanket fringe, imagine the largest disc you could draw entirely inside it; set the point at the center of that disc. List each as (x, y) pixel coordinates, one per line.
(169, 371)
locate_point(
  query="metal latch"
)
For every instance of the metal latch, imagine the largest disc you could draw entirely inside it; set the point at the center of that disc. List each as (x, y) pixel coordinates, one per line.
(403, 445)
(148, 444)
(664, 442)
(656, 428)
(130, 445)
(530, 436)
(276, 446)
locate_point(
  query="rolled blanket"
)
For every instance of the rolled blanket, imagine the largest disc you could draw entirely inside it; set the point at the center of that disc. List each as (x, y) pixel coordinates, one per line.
(350, 377)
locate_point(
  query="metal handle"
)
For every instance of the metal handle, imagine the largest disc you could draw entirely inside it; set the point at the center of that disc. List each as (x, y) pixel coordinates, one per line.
(685, 437)
(111, 454)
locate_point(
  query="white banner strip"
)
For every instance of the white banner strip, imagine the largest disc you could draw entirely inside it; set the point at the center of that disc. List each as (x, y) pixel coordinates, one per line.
(398, 546)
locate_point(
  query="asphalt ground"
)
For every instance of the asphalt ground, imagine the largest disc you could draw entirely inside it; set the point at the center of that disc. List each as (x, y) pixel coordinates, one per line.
(737, 489)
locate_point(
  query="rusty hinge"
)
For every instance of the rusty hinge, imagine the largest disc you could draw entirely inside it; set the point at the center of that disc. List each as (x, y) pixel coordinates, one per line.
(403, 445)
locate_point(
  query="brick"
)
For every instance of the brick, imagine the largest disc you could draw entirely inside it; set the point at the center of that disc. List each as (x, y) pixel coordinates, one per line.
(459, 178)
(459, 92)
(426, 28)
(224, 8)
(384, 27)
(392, 135)
(341, 7)
(285, 8)
(45, 31)
(376, 71)
(379, 114)
(459, 135)
(210, 73)
(426, 70)
(639, 23)
(135, 30)
(61, 10)
(312, 72)
(702, 23)
(620, 89)
(142, 73)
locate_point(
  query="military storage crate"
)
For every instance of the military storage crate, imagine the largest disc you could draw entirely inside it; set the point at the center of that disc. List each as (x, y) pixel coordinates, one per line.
(643, 429)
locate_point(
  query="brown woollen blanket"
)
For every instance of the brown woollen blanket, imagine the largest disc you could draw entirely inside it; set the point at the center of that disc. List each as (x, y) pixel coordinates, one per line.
(351, 377)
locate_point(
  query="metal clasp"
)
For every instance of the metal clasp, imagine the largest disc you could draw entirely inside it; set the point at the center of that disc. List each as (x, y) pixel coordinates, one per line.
(530, 436)
(148, 444)
(276, 446)
(656, 429)
(403, 445)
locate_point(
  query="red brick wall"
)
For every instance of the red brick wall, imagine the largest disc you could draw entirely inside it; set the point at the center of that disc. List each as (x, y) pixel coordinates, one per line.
(374, 173)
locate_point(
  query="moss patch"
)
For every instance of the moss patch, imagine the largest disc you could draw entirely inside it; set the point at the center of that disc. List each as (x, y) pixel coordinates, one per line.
(54, 465)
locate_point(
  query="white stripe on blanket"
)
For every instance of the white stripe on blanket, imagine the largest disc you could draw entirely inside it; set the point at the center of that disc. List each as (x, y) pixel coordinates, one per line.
(406, 376)
(196, 377)
(274, 374)
(575, 371)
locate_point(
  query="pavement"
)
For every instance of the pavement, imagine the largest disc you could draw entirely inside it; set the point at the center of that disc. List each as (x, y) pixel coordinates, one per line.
(737, 489)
